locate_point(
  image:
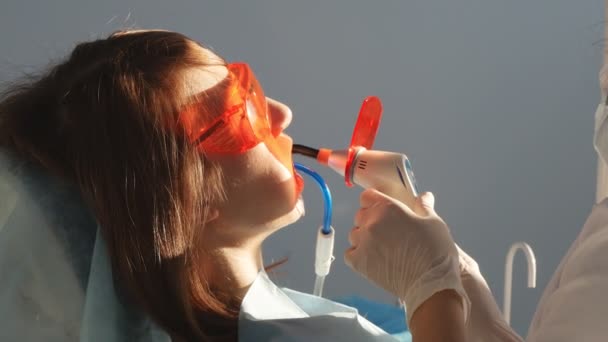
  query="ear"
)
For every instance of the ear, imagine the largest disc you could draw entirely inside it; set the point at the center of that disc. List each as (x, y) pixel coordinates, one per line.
(212, 215)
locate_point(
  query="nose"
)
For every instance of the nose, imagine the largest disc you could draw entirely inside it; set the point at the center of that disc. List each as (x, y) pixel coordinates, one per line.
(279, 115)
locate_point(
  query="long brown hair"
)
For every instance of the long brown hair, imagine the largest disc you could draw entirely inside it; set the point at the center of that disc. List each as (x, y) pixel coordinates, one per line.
(107, 119)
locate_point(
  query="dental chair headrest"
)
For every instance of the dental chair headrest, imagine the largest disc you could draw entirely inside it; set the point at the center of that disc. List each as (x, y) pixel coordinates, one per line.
(55, 275)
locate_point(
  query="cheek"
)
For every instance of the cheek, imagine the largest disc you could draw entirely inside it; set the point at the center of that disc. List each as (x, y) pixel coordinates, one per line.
(260, 198)
(259, 186)
(280, 149)
(255, 172)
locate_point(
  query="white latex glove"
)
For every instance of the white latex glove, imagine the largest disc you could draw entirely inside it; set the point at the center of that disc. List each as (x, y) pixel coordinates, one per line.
(486, 322)
(409, 254)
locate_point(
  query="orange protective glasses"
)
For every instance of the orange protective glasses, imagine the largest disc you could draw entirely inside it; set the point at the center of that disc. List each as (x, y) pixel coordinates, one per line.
(242, 125)
(244, 122)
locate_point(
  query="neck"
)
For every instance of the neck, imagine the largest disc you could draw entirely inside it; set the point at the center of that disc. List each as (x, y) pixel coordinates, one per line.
(233, 267)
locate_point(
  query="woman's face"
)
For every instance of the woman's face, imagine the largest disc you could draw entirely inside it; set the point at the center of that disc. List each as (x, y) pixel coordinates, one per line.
(262, 192)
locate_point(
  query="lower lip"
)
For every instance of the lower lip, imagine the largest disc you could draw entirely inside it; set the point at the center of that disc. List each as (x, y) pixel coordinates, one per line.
(299, 182)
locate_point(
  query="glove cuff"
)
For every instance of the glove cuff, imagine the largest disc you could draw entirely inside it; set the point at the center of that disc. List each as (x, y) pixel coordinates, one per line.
(444, 276)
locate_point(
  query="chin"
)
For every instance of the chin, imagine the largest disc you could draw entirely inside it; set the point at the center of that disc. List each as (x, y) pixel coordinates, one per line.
(294, 215)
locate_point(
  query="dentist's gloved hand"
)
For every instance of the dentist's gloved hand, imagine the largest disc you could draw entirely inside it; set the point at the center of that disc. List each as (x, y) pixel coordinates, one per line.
(408, 252)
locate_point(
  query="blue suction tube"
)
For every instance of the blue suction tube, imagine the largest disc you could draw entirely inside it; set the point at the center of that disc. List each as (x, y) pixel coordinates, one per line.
(327, 202)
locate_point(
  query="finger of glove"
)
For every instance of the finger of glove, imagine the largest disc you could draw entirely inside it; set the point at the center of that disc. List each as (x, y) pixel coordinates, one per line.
(354, 236)
(372, 197)
(360, 216)
(353, 257)
(425, 204)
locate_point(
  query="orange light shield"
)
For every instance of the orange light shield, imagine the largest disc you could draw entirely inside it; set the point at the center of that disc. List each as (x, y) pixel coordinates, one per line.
(364, 133)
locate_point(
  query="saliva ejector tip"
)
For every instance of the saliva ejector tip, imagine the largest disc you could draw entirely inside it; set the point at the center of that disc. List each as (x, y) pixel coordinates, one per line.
(321, 155)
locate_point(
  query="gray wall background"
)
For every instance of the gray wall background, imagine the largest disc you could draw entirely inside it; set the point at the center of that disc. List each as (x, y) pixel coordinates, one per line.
(493, 101)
